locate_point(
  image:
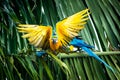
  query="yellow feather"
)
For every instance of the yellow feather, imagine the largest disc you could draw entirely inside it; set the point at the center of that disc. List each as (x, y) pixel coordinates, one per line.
(37, 35)
(71, 26)
(67, 29)
(71, 48)
(27, 25)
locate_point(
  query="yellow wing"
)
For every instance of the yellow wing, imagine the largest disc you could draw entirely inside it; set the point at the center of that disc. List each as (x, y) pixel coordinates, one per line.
(69, 27)
(37, 35)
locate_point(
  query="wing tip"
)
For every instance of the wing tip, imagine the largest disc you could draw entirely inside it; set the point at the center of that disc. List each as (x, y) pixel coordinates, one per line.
(27, 25)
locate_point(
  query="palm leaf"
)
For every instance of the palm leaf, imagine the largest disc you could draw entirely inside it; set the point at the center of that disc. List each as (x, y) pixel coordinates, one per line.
(17, 57)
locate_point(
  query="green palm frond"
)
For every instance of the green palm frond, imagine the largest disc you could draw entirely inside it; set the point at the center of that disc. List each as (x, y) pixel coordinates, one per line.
(17, 57)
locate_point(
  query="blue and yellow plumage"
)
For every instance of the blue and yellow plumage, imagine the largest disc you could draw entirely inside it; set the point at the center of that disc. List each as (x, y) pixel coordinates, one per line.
(77, 42)
(67, 29)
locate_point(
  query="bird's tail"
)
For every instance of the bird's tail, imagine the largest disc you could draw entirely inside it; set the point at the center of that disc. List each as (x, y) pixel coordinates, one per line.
(90, 53)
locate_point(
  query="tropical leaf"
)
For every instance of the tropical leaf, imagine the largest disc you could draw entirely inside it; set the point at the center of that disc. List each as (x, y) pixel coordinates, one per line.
(17, 57)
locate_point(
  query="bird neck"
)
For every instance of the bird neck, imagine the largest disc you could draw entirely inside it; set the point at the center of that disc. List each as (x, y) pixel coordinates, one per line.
(54, 39)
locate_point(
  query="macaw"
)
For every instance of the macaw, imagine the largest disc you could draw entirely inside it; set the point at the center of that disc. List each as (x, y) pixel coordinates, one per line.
(77, 42)
(46, 38)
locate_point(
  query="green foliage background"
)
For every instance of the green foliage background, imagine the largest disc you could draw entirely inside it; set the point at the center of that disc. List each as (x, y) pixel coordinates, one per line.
(17, 57)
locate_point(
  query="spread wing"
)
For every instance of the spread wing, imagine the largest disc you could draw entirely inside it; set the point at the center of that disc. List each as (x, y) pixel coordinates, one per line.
(68, 28)
(37, 35)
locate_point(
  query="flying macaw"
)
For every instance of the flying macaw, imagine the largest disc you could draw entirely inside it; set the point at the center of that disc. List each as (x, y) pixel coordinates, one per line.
(77, 42)
(44, 37)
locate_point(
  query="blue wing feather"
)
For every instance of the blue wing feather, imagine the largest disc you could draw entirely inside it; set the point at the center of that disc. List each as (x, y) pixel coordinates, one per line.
(40, 53)
(81, 44)
(90, 53)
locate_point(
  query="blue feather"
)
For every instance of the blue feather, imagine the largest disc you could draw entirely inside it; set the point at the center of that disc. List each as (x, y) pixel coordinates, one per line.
(90, 53)
(40, 53)
(81, 44)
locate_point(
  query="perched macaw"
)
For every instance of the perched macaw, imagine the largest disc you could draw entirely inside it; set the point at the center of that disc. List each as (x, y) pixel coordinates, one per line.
(46, 38)
(77, 42)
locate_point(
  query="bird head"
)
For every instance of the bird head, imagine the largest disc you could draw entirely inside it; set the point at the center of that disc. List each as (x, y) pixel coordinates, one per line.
(54, 38)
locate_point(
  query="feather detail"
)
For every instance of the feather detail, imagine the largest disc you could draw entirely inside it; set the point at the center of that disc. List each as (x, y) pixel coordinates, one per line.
(68, 28)
(37, 35)
(76, 42)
